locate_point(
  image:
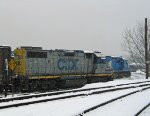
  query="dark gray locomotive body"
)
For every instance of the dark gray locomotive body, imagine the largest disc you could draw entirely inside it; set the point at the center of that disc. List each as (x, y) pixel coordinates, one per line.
(5, 55)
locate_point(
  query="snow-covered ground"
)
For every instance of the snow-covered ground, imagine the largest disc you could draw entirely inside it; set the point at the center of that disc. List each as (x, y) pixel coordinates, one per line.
(70, 107)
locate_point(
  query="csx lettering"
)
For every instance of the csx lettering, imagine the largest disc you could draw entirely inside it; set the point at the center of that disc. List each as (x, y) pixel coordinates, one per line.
(67, 64)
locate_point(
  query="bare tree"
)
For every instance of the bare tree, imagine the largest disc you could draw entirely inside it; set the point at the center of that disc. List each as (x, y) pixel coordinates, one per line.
(134, 44)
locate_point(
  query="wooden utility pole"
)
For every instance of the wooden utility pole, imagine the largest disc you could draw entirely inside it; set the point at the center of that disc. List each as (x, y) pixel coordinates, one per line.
(146, 51)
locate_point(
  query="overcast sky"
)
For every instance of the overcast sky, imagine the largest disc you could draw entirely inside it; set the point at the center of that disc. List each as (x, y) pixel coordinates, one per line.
(70, 24)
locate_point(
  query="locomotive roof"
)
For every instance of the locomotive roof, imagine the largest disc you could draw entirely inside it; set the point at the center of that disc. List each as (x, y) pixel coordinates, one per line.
(31, 48)
(4, 46)
(88, 52)
(99, 54)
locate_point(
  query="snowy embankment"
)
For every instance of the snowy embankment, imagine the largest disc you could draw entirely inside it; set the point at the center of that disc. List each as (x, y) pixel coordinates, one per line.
(70, 107)
(135, 77)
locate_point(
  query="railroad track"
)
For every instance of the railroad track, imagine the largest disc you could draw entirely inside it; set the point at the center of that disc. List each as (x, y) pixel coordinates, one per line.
(140, 111)
(63, 92)
(112, 100)
(110, 89)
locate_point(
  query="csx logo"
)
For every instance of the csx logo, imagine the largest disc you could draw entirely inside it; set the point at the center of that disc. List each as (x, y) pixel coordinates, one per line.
(67, 64)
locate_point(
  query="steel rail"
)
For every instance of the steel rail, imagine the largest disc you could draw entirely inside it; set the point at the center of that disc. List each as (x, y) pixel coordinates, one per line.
(109, 101)
(63, 92)
(70, 96)
(140, 111)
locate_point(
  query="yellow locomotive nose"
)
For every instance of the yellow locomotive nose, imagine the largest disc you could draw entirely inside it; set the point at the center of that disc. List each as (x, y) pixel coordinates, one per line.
(20, 60)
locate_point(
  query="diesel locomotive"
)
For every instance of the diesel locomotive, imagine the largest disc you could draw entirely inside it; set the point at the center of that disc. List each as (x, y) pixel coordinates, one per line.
(32, 68)
(119, 66)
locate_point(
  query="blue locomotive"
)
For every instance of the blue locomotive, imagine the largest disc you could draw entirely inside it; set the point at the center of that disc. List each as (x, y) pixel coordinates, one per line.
(119, 66)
